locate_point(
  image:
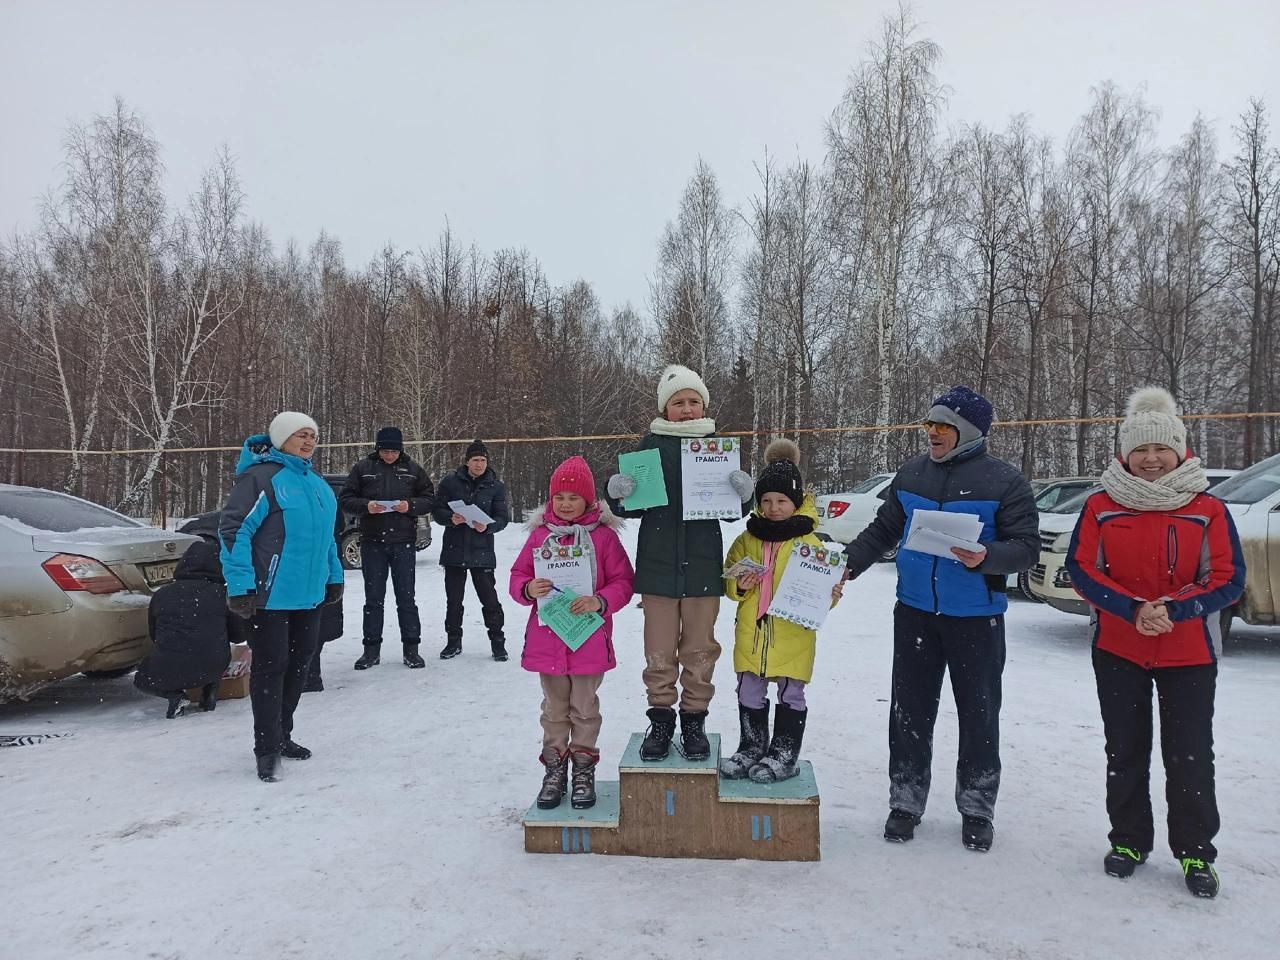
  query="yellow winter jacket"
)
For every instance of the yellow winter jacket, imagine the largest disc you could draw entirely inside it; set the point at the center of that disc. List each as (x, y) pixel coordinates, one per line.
(771, 647)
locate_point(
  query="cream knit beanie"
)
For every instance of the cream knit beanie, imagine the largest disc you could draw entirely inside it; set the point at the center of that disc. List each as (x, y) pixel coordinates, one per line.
(676, 378)
(286, 424)
(1152, 417)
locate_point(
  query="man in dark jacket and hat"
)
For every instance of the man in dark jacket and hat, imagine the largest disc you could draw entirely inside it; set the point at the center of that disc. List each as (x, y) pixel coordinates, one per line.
(388, 491)
(469, 546)
(187, 619)
(950, 610)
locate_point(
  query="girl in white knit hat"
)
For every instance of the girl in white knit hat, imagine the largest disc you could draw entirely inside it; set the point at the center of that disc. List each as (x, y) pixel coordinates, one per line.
(679, 573)
(1157, 558)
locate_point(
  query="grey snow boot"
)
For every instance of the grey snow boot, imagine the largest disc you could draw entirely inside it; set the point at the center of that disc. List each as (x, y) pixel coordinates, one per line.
(754, 722)
(779, 761)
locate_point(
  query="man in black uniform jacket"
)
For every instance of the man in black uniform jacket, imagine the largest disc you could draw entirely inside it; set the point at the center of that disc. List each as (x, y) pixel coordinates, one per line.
(388, 491)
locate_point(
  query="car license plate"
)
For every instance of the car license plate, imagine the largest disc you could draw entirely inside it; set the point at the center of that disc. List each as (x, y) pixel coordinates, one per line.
(157, 574)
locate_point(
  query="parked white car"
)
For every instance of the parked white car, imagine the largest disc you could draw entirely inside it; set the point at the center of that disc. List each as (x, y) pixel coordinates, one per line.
(842, 516)
(1049, 580)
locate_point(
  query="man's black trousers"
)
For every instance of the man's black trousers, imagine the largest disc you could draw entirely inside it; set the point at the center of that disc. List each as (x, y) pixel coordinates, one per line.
(377, 559)
(925, 646)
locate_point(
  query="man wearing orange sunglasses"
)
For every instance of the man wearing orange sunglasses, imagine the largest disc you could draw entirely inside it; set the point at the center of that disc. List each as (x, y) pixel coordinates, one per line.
(950, 613)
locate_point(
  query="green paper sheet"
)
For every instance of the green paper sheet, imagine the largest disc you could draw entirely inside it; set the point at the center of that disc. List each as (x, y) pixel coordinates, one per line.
(572, 628)
(645, 467)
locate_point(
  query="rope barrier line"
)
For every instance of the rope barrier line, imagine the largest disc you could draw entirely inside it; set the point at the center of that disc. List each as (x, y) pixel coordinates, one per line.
(1065, 421)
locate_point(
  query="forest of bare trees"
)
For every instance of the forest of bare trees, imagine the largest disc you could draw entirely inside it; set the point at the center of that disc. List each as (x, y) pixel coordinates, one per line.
(848, 290)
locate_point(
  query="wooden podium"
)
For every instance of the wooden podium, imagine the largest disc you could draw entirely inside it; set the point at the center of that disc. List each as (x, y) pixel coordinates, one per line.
(684, 808)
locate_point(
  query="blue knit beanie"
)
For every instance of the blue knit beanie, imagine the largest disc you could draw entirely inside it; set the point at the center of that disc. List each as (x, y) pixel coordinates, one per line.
(972, 407)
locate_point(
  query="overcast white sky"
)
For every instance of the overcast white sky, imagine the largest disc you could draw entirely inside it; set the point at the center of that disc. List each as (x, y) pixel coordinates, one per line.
(566, 128)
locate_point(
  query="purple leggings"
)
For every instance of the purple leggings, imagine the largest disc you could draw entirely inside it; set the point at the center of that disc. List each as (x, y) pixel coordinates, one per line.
(753, 691)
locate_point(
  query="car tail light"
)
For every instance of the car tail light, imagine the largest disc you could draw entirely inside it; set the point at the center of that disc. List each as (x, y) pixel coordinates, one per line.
(836, 508)
(81, 573)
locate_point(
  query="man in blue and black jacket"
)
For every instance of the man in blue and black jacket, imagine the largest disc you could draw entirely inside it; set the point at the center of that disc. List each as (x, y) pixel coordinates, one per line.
(950, 612)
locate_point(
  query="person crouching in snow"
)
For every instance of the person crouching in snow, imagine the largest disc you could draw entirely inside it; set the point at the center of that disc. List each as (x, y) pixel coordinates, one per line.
(188, 625)
(769, 648)
(1157, 559)
(575, 520)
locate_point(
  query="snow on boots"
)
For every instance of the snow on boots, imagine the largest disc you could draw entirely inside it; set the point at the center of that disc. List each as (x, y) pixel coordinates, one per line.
(754, 723)
(779, 761)
(411, 658)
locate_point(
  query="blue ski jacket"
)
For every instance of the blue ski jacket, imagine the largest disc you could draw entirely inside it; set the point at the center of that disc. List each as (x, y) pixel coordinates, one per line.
(972, 483)
(277, 528)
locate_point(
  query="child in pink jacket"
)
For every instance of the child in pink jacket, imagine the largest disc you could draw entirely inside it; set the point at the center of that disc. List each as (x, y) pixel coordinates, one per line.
(574, 519)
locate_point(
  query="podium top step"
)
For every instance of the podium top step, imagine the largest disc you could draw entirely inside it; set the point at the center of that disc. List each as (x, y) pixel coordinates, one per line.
(675, 762)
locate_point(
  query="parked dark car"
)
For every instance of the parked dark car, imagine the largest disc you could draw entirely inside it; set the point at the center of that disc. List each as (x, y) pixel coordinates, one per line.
(349, 534)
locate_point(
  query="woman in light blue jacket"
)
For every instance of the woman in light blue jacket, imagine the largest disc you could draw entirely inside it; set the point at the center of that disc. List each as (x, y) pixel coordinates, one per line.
(281, 564)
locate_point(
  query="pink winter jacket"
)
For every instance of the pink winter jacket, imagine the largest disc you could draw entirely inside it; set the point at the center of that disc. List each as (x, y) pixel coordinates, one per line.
(544, 652)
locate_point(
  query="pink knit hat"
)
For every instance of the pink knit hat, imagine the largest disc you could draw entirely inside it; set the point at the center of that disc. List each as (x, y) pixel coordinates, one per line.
(574, 476)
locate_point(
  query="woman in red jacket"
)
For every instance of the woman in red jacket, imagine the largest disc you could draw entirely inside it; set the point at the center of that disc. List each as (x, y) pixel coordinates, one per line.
(1157, 558)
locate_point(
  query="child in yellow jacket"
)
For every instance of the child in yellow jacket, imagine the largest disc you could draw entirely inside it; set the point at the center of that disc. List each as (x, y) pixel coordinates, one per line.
(768, 648)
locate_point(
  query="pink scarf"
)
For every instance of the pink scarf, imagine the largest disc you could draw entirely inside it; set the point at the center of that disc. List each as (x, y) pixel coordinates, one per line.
(768, 554)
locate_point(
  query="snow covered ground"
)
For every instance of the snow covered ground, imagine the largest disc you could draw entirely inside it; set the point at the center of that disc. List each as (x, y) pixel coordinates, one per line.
(140, 837)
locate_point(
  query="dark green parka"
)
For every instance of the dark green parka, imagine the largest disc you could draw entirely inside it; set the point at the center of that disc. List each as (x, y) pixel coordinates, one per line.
(675, 557)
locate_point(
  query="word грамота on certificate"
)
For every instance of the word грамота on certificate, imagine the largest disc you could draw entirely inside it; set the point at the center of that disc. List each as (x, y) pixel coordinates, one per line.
(705, 466)
(803, 595)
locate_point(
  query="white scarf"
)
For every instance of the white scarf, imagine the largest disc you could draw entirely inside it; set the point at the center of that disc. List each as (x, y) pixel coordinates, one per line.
(1175, 489)
(702, 427)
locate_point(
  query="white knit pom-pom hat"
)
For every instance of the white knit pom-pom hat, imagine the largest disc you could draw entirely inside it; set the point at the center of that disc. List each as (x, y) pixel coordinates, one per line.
(1152, 417)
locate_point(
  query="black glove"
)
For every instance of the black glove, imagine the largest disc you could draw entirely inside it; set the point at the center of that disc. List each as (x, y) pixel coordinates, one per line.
(242, 606)
(333, 593)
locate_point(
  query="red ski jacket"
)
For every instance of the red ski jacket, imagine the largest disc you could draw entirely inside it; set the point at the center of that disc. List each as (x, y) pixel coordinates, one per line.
(1190, 557)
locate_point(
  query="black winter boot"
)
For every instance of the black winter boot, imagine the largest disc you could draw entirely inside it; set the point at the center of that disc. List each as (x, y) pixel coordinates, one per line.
(900, 827)
(779, 761)
(371, 657)
(499, 648)
(754, 723)
(267, 767)
(1200, 877)
(209, 696)
(657, 739)
(176, 706)
(693, 736)
(452, 648)
(294, 751)
(411, 658)
(977, 833)
(553, 778)
(1122, 861)
(584, 778)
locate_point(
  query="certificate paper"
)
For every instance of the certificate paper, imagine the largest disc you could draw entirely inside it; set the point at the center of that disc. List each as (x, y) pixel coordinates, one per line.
(573, 628)
(470, 512)
(803, 595)
(645, 468)
(388, 505)
(705, 466)
(935, 532)
(569, 568)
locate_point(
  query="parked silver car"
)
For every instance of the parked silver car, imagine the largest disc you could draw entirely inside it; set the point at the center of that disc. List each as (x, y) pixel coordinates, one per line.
(75, 583)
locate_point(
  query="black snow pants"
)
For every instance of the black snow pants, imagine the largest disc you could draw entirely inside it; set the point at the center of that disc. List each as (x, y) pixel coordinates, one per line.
(925, 646)
(1185, 696)
(283, 643)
